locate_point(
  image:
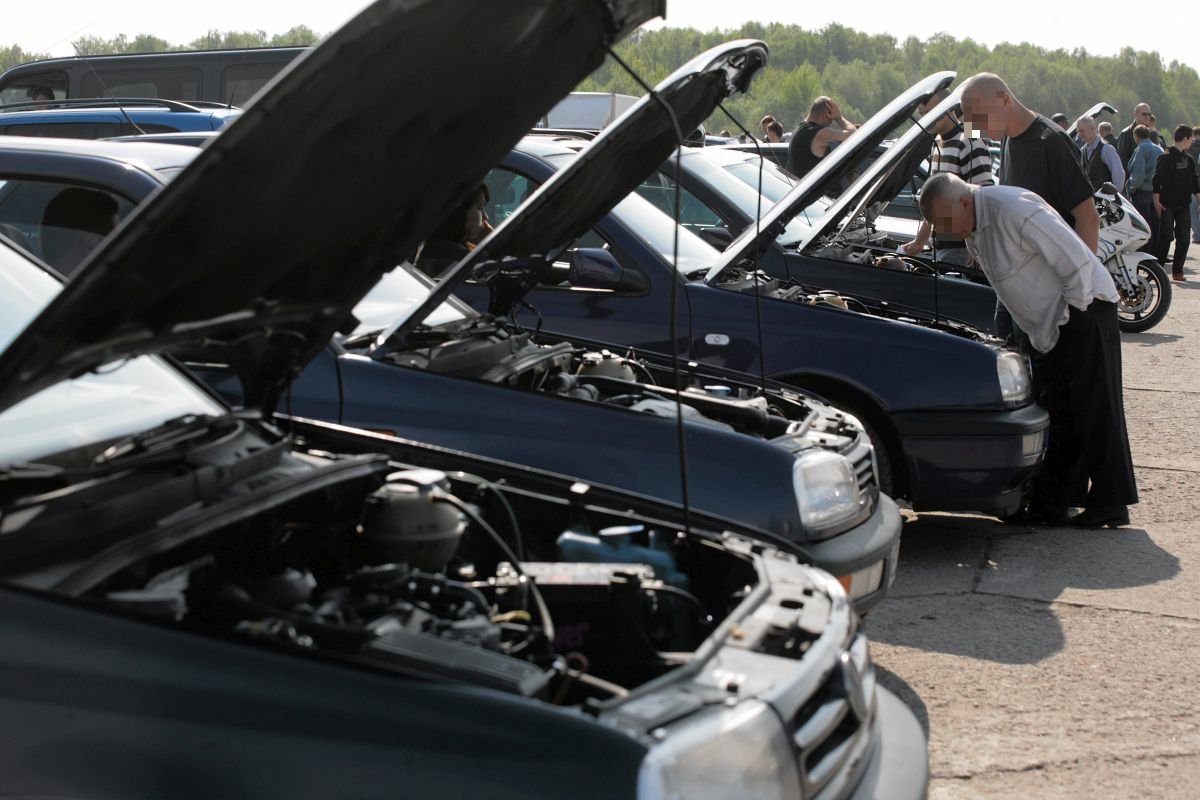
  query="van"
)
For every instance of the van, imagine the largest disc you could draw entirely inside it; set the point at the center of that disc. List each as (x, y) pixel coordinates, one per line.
(222, 76)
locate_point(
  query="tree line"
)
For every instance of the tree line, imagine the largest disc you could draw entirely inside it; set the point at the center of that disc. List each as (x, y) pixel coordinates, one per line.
(862, 71)
(121, 44)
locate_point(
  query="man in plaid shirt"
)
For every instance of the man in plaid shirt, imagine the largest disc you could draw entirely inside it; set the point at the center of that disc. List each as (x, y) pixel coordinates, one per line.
(956, 154)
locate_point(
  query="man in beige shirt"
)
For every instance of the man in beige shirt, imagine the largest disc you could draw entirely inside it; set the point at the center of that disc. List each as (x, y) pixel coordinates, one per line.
(1064, 300)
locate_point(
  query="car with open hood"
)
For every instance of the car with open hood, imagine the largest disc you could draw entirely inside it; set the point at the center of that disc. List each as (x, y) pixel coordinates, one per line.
(763, 457)
(200, 602)
(950, 410)
(870, 180)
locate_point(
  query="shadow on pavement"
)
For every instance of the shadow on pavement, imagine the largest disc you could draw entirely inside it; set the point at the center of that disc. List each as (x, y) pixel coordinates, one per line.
(899, 687)
(973, 587)
(1150, 339)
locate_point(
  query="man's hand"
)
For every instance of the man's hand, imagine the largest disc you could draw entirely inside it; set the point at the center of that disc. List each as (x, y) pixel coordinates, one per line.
(912, 248)
(835, 110)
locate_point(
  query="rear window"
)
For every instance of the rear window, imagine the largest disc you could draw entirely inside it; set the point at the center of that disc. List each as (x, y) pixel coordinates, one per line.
(59, 222)
(20, 89)
(241, 82)
(172, 84)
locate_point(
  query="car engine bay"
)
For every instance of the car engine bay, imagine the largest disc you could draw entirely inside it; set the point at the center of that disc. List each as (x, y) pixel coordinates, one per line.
(497, 351)
(743, 279)
(444, 576)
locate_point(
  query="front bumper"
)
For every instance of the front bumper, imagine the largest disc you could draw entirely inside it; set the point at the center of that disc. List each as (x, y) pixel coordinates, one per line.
(863, 559)
(899, 765)
(970, 460)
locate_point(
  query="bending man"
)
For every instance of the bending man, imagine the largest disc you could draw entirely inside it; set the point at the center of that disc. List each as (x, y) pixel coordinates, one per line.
(1064, 300)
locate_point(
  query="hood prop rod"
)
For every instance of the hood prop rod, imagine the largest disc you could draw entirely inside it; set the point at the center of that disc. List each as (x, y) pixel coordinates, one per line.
(676, 375)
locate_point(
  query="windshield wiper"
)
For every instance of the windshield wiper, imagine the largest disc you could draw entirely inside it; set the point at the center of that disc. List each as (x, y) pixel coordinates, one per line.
(168, 441)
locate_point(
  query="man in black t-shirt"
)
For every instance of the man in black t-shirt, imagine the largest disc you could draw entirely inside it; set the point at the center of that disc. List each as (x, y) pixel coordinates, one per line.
(811, 140)
(1037, 154)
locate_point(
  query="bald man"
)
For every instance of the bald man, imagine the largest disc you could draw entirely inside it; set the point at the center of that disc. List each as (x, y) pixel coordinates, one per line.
(1037, 154)
(1142, 115)
(811, 140)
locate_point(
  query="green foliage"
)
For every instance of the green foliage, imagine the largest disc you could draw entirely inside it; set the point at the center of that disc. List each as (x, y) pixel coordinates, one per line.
(864, 71)
(11, 56)
(300, 35)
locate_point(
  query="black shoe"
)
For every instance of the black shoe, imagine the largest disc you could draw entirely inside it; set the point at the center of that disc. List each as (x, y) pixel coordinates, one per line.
(1100, 516)
(1038, 516)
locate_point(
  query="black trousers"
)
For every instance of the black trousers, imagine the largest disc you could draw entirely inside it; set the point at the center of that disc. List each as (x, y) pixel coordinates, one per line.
(1175, 221)
(1079, 383)
(1143, 201)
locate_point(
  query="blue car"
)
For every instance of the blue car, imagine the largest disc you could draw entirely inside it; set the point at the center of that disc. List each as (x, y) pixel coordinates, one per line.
(103, 118)
(950, 409)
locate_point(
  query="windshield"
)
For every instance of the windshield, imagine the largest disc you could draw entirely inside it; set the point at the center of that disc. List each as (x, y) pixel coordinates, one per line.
(658, 231)
(655, 228)
(397, 294)
(738, 182)
(115, 401)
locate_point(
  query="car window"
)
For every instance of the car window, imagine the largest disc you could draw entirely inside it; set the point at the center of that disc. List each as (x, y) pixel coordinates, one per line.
(116, 400)
(59, 222)
(396, 295)
(173, 84)
(694, 214)
(507, 190)
(90, 129)
(241, 82)
(20, 90)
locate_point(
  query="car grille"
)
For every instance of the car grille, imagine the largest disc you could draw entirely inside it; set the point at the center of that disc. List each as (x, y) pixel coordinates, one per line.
(832, 729)
(863, 459)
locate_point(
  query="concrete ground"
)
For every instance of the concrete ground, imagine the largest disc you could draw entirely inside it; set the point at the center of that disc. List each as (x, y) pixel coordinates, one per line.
(1056, 663)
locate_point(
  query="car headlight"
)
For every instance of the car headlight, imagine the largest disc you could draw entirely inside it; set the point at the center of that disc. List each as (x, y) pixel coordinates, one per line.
(826, 489)
(1013, 372)
(739, 751)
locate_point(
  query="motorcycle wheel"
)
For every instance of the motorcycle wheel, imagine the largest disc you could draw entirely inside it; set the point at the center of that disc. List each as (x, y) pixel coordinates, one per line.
(1145, 307)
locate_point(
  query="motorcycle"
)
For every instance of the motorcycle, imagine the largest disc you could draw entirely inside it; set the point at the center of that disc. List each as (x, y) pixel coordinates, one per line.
(1142, 283)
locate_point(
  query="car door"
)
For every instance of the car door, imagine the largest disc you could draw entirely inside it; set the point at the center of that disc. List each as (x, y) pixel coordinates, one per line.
(633, 313)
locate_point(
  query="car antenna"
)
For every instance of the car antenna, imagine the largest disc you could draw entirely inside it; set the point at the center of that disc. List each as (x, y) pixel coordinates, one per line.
(673, 304)
(116, 100)
(762, 358)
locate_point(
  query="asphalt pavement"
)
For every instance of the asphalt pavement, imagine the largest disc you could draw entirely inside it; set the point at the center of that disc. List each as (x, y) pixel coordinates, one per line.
(1058, 663)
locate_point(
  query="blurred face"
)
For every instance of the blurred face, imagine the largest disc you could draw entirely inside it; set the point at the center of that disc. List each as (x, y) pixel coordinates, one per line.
(1143, 116)
(986, 111)
(953, 217)
(1086, 132)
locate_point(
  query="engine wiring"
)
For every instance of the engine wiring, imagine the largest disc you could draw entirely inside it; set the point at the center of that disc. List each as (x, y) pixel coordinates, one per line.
(534, 591)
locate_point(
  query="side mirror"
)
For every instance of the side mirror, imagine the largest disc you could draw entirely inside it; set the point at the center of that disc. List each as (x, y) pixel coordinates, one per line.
(718, 237)
(594, 268)
(1108, 189)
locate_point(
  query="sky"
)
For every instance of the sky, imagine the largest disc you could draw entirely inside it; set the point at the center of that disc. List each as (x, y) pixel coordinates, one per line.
(50, 25)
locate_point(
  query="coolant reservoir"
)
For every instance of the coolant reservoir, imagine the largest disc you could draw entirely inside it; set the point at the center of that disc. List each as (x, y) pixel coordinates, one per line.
(606, 364)
(408, 520)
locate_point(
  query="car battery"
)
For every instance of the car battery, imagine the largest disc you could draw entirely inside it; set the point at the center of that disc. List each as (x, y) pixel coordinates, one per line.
(604, 611)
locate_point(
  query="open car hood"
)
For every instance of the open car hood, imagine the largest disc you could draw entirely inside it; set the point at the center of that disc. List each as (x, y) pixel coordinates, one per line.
(607, 170)
(877, 183)
(1093, 112)
(829, 171)
(336, 172)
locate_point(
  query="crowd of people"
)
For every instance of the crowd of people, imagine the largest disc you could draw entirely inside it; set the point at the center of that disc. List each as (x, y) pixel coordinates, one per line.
(1033, 229)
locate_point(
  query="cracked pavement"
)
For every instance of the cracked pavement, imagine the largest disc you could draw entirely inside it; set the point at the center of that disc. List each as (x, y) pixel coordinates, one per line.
(1055, 663)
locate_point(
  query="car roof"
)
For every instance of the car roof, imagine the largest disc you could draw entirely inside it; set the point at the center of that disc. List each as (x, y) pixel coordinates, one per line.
(200, 118)
(152, 155)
